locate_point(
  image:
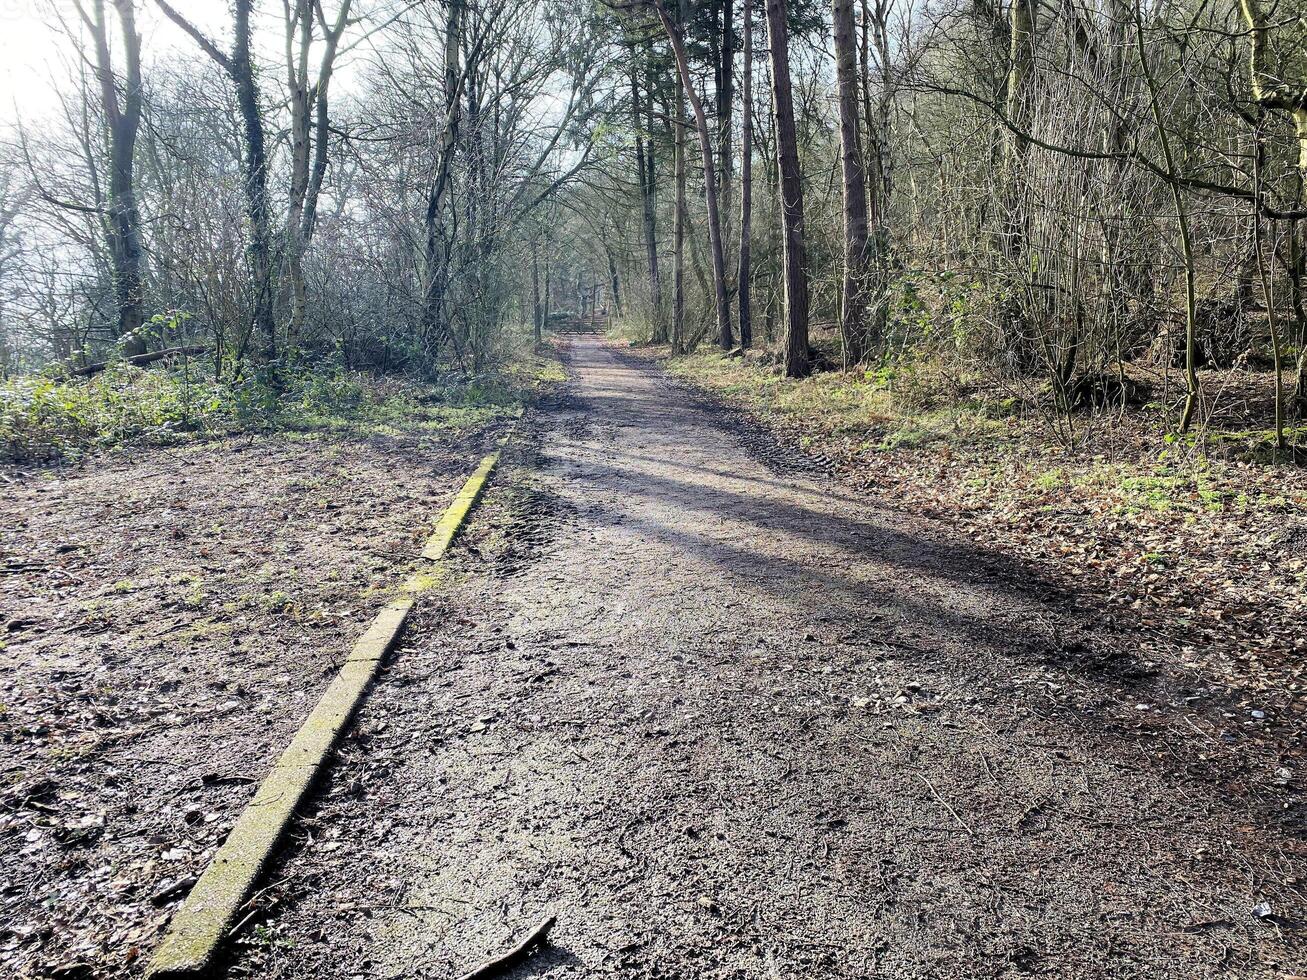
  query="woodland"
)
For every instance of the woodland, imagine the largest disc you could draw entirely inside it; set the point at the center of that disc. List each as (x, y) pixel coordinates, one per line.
(1037, 196)
(892, 418)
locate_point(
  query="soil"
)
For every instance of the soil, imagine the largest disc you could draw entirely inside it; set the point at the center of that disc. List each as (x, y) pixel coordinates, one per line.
(727, 717)
(167, 619)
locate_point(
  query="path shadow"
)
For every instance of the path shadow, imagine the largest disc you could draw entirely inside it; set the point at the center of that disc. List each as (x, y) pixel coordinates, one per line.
(1099, 655)
(1055, 625)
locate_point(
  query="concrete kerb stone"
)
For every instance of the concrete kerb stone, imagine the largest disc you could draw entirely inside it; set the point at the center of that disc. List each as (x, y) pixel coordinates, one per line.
(200, 925)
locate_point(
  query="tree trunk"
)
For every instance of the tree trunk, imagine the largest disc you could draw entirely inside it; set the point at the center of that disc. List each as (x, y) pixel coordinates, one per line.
(645, 173)
(746, 180)
(122, 124)
(1297, 269)
(878, 162)
(1274, 89)
(1182, 223)
(853, 321)
(1272, 86)
(724, 330)
(548, 293)
(725, 117)
(537, 310)
(995, 21)
(299, 24)
(257, 208)
(791, 194)
(239, 67)
(434, 328)
(1123, 276)
(7, 358)
(677, 116)
(1268, 297)
(1021, 55)
(309, 133)
(615, 282)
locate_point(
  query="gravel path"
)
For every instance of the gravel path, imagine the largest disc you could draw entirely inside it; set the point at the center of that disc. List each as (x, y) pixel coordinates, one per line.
(726, 720)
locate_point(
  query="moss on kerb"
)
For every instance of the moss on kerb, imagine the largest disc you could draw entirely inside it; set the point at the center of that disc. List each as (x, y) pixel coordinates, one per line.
(202, 922)
(373, 644)
(452, 519)
(422, 582)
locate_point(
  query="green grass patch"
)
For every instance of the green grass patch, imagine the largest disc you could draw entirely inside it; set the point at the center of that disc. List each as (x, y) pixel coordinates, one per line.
(1054, 479)
(917, 414)
(835, 402)
(45, 419)
(889, 408)
(1155, 492)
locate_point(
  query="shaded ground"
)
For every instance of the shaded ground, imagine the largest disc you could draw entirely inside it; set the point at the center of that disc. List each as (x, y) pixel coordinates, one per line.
(1199, 561)
(729, 720)
(167, 619)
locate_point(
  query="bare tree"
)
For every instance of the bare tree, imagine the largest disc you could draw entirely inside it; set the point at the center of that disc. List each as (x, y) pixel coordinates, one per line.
(676, 115)
(853, 320)
(1278, 79)
(309, 133)
(645, 163)
(791, 194)
(706, 152)
(1182, 225)
(746, 181)
(877, 104)
(434, 327)
(122, 123)
(239, 68)
(12, 201)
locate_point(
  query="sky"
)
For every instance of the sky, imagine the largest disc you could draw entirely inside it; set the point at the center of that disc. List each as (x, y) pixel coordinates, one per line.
(38, 57)
(35, 52)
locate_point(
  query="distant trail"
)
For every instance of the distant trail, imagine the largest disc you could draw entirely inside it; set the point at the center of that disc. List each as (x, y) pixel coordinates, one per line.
(724, 721)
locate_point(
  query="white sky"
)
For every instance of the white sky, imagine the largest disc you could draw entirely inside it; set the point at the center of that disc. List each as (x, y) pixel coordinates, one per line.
(35, 52)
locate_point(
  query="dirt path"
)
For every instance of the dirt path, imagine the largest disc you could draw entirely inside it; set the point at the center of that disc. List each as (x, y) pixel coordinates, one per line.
(726, 721)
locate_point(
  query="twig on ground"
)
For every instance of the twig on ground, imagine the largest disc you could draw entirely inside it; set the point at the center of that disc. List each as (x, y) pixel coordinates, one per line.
(515, 955)
(252, 903)
(953, 813)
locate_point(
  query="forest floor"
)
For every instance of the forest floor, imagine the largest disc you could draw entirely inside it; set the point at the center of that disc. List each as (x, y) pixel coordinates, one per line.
(726, 715)
(168, 616)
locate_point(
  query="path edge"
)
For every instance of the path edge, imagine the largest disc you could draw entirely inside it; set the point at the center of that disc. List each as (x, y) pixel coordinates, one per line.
(202, 923)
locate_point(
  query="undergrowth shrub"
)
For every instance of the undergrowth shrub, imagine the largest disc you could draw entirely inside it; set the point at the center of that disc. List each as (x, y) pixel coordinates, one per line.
(918, 385)
(43, 419)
